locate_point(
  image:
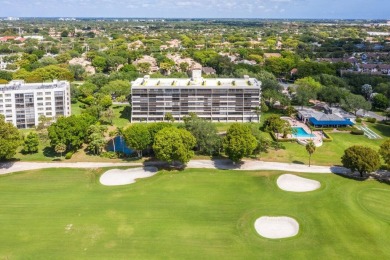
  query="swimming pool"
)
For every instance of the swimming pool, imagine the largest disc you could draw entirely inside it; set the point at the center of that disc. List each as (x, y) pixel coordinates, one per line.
(120, 146)
(301, 133)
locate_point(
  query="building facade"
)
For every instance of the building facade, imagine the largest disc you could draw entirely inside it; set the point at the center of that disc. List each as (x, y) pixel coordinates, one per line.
(217, 99)
(23, 103)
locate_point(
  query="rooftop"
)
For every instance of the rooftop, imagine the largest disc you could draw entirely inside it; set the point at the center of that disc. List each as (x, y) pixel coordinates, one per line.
(21, 85)
(197, 81)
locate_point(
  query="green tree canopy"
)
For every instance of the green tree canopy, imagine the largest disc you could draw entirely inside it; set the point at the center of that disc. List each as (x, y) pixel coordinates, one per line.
(384, 151)
(10, 139)
(172, 144)
(117, 88)
(239, 142)
(31, 143)
(138, 137)
(361, 159)
(70, 131)
(354, 103)
(380, 101)
(208, 141)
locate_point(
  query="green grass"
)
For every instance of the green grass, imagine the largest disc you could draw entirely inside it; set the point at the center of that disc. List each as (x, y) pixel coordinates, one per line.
(328, 154)
(75, 108)
(193, 214)
(122, 115)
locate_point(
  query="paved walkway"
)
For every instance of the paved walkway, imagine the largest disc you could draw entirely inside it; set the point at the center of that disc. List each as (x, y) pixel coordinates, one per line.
(208, 164)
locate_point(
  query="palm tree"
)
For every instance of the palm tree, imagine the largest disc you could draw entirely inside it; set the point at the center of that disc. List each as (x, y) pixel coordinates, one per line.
(310, 148)
(113, 134)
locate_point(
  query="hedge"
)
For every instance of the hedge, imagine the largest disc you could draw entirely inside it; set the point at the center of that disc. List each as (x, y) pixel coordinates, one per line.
(328, 137)
(357, 132)
(68, 155)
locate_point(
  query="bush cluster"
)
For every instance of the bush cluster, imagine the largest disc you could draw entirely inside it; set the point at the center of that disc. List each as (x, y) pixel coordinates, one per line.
(357, 132)
(68, 155)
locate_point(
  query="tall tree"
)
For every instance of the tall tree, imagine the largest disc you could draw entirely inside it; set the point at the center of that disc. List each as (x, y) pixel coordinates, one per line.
(31, 143)
(9, 139)
(208, 141)
(137, 137)
(310, 148)
(172, 144)
(70, 131)
(169, 117)
(380, 101)
(384, 151)
(239, 142)
(354, 103)
(95, 139)
(362, 159)
(60, 148)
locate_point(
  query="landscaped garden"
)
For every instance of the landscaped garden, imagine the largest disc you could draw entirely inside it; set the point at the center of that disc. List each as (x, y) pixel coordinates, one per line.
(191, 214)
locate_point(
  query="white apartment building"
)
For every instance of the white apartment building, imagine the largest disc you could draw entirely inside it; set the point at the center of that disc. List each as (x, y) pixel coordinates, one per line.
(214, 99)
(22, 103)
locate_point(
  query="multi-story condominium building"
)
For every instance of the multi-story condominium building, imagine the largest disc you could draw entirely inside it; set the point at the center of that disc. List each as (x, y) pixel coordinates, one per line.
(214, 99)
(23, 103)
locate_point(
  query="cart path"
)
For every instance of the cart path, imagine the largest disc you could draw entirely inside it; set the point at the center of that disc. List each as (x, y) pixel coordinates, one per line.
(11, 167)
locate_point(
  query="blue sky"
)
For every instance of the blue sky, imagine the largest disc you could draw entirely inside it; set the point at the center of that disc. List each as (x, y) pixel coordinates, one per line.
(365, 9)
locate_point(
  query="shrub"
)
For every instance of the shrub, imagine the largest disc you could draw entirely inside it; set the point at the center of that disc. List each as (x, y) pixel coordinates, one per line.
(371, 120)
(358, 120)
(357, 132)
(327, 138)
(110, 155)
(68, 155)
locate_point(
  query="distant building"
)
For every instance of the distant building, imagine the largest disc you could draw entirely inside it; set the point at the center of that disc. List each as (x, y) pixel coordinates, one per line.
(217, 100)
(22, 103)
(208, 71)
(325, 118)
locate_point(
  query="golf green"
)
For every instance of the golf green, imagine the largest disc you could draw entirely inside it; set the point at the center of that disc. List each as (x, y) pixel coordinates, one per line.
(191, 214)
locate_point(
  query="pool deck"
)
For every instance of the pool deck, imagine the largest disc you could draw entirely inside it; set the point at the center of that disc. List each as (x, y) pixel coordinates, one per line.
(317, 139)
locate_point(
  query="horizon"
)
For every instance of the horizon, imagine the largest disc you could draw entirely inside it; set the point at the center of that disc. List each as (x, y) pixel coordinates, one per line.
(199, 9)
(195, 18)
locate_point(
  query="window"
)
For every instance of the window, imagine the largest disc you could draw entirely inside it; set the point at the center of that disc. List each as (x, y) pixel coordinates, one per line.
(8, 100)
(47, 98)
(48, 113)
(48, 103)
(40, 98)
(7, 95)
(8, 105)
(39, 93)
(47, 93)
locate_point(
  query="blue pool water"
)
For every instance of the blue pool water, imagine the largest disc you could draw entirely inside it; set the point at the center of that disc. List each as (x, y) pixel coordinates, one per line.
(120, 146)
(301, 133)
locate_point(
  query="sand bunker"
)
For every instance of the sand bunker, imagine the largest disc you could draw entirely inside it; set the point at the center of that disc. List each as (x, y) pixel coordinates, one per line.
(122, 177)
(289, 182)
(276, 227)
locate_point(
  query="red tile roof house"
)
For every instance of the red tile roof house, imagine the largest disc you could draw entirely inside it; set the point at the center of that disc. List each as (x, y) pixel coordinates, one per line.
(369, 67)
(384, 68)
(16, 38)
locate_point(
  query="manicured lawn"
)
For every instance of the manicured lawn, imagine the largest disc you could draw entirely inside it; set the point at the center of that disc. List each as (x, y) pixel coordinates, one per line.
(122, 115)
(75, 108)
(328, 154)
(193, 214)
